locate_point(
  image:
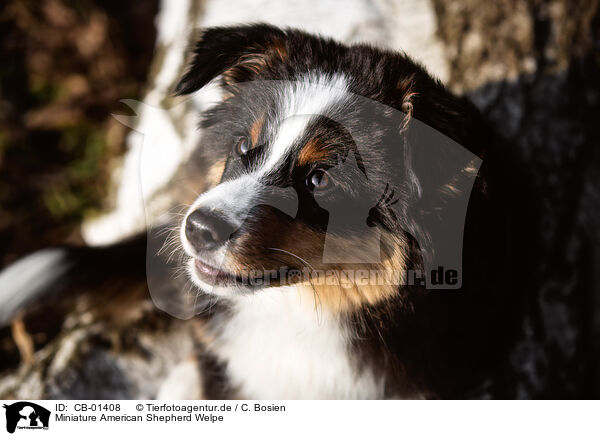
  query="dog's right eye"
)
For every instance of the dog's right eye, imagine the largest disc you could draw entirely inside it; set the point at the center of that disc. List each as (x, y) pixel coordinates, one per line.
(242, 146)
(318, 180)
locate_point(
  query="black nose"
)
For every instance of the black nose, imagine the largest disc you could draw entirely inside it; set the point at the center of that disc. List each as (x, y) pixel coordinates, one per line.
(206, 231)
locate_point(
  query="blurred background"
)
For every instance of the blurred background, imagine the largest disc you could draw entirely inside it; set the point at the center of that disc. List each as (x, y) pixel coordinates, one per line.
(65, 66)
(531, 66)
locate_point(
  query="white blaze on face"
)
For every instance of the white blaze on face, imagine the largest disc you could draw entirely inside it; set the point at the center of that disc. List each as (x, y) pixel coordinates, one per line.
(301, 101)
(232, 198)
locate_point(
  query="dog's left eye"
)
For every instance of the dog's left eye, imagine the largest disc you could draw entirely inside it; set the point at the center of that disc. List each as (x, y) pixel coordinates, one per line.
(242, 145)
(318, 180)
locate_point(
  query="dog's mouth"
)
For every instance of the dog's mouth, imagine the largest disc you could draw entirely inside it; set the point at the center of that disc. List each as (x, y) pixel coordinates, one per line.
(205, 274)
(215, 276)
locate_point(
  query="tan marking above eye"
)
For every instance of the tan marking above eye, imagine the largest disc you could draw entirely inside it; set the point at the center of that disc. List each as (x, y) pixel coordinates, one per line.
(256, 129)
(313, 151)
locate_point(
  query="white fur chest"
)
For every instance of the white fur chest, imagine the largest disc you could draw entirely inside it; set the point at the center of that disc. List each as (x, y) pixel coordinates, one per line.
(278, 346)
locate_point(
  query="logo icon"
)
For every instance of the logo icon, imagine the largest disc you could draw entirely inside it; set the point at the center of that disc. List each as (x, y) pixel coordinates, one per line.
(26, 415)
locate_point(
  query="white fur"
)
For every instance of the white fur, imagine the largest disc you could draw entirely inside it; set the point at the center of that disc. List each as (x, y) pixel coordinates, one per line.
(278, 345)
(232, 197)
(182, 383)
(301, 101)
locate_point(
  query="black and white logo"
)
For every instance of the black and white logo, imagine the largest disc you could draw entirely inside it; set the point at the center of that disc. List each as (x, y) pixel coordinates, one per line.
(26, 415)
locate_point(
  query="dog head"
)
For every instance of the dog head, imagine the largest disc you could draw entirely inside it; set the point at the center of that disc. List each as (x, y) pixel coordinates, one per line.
(322, 172)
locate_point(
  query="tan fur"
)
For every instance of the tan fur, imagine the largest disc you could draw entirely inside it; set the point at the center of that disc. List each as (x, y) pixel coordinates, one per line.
(406, 88)
(313, 151)
(349, 293)
(331, 288)
(255, 130)
(257, 60)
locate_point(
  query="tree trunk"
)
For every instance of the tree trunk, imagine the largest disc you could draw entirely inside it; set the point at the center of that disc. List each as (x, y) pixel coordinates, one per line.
(533, 68)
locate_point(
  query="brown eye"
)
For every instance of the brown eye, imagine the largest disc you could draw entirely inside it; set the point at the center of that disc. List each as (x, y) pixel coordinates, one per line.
(318, 180)
(242, 146)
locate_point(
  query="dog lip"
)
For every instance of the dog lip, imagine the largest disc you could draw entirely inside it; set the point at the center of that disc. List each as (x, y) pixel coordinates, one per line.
(213, 275)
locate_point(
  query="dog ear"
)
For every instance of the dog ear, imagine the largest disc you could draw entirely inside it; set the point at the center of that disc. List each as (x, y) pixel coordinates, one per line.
(424, 98)
(441, 129)
(238, 53)
(444, 145)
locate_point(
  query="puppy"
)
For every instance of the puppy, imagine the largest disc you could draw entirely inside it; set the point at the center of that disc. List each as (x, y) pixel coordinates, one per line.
(359, 243)
(339, 160)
